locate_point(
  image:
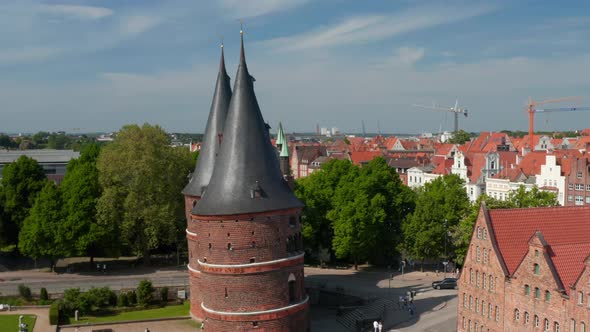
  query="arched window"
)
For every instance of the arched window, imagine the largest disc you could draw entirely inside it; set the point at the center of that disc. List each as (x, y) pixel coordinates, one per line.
(483, 307)
(556, 327)
(572, 325)
(537, 322)
(547, 296)
(491, 283)
(546, 324)
(471, 276)
(464, 323)
(527, 289)
(476, 304)
(527, 317)
(478, 232)
(485, 256)
(497, 314)
(582, 327)
(477, 279)
(537, 293)
(464, 300)
(516, 315)
(291, 288)
(470, 302)
(485, 233)
(484, 281)
(478, 254)
(537, 269)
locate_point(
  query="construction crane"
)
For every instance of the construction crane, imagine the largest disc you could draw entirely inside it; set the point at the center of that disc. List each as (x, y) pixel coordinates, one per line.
(456, 110)
(532, 109)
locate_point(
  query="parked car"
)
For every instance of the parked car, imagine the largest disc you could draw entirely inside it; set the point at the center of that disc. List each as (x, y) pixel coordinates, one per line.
(447, 283)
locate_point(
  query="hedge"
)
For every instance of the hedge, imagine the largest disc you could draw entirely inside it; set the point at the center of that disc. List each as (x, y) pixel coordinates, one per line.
(53, 314)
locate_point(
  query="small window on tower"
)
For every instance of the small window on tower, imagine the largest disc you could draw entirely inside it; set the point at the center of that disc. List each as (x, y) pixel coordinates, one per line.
(229, 247)
(194, 203)
(255, 191)
(210, 246)
(292, 221)
(253, 244)
(254, 323)
(226, 292)
(252, 259)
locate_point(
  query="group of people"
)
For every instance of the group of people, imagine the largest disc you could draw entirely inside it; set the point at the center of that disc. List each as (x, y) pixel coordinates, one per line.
(378, 326)
(407, 303)
(104, 268)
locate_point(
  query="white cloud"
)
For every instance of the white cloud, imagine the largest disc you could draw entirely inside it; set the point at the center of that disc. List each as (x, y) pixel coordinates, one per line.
(407, 56)
(26, 55)
(138, 24)
(370, 28)
(79, 12)
(253, 8)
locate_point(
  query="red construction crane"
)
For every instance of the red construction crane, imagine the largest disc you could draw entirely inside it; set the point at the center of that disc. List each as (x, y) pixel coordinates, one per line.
(531, 109)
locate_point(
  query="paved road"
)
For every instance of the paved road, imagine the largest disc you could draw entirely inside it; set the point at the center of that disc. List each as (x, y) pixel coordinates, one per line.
(57, 283)
(443, 320)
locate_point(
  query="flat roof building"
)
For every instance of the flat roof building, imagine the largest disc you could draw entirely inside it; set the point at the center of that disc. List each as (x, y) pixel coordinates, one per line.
(54, 162)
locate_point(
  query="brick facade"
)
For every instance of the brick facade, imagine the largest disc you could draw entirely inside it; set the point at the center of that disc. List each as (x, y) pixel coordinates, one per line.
(547, 290)
(246, 271)
(578, 183)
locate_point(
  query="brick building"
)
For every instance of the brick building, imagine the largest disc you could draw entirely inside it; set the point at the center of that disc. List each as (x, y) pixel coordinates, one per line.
(244, 228)
(578, 182)
(527, 270)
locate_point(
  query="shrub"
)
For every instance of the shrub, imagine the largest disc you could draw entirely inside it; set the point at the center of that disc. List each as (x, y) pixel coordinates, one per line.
(54, 313)
(144, 293)
(132, 298)
(75, 300)
(123, 300)
(100, 297)
(43, 296)
(25, 292)
(164, 294)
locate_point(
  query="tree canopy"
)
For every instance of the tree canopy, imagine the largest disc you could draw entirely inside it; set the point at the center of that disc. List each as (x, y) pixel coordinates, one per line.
(39, 236)
(460, 137)
(440, 205)
(21, 182)
(142, 176)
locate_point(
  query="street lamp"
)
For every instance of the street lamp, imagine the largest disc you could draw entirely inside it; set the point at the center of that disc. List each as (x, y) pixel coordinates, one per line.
(446, 258)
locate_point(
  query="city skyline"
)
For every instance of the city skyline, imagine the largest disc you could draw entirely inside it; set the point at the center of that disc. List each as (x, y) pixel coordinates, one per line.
(99, 65)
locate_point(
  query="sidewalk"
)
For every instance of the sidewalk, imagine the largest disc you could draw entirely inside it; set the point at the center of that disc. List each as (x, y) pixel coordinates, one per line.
(42, 322)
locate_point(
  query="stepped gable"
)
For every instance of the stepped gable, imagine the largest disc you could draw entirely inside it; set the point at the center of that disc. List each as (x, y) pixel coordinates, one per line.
(247, 177)
(213, 134)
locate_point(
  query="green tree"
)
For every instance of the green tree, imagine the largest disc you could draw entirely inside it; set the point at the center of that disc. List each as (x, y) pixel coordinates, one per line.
(6, 142)
(317, 192)
(521, 198)
(440, 205)
(22, 181)
(141, 178)
(58, 141)
(145, 292)
(80, 232)
(460, 137)
(368, 207)
(39, 234)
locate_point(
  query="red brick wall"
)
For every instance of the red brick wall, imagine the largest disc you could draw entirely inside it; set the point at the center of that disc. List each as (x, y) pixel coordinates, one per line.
(253, 292)
(578, 166)
(294, 323)
(263, 238)
(473, 290)
(250, 288)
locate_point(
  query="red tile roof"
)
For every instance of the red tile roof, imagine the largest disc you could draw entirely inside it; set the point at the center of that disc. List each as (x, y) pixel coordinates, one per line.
(532, 161)
(565, 229)
(359, 157)
(443, 149)
(390, 142)
(444, 168)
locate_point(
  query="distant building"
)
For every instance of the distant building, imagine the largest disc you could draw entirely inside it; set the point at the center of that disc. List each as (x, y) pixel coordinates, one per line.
(527, 270)
(54, 162)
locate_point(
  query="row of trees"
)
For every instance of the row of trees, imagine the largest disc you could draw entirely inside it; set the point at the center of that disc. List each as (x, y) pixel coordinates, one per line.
(366, 214)
(122, 199)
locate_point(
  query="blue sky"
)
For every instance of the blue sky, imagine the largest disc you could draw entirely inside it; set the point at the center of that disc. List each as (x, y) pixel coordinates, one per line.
(95, 65)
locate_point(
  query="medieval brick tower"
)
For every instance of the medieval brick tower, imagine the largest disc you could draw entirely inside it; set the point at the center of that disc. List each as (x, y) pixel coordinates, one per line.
(244, 233)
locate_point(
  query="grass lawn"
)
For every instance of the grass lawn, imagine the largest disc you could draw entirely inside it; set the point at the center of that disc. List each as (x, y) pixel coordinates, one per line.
(168, 311)
(10, 322)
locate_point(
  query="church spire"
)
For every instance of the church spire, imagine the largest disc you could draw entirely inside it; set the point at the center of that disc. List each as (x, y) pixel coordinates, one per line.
(280, 137)
(213, 133)
(247, 177)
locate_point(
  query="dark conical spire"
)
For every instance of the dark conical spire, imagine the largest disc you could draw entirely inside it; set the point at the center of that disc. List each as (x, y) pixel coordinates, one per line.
(247, 177)
(213, 134)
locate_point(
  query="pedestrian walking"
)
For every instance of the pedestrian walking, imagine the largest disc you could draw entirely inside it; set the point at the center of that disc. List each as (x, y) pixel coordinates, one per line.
(380, 326)
(376, 326)
(400, 302)
(104, 268)
(98, 267)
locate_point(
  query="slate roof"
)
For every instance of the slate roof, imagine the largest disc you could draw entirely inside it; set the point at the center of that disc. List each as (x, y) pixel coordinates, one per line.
(565, 229)
(247, 177)
(213, 134)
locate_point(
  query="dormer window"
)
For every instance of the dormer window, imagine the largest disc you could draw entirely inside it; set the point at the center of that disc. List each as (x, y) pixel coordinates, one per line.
(255, 191)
